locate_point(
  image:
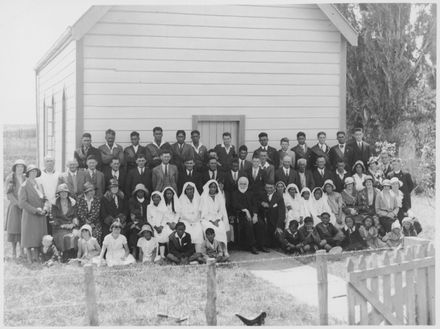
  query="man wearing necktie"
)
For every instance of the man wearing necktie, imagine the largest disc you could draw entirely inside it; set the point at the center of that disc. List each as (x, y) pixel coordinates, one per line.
(139, 175)
(73, 178)
(272, 153)
(361, 150)
(244, 164)
(181, 150)
(115, 172)
(340, 151)
(213, 172)
(189, 174)
(321, 173)
(302, 151)
(321, 149)
(94, 176)
(285, 174)
(230, 186)
(165, 174)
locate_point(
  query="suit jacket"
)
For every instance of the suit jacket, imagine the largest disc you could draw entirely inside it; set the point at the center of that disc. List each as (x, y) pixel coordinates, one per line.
(276, 213)
(134, 178)
(272, 155)
(160, 181)
(80, 177)
(206, 176)
(318, 179)
(310, 182)
(225, 158)
(406, 188)
(386, 170)
(107, 155)
(153, 153)
(302, 154)
(256, 185)
(122, 179)
(282, 154)
(335, 154)
(316, 152)
(81, 156)
(230, 187)
(98, 181)
(270, 173)
(362, 154)
(130, 156)
(339, 183)
(195, 178)
(186, 249)
(179, 155)
(280, 175)
(246, 165)
(200, 157)
(109, 210)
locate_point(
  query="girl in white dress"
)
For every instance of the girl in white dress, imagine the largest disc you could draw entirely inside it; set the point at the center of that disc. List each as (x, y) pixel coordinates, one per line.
(294, 207)
(320, 205)
(117, 247)
(171, 200)
(213, 212)
(306, 202)
(190, 213)
(156, 218)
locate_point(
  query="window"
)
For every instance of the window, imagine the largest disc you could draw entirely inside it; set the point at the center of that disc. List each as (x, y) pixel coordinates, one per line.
(50, 129)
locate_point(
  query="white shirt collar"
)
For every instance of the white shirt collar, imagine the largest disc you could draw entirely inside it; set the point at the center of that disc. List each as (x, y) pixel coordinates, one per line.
(135, 147)
(227, 148)
(177, 236)
(111, 148)
(158, 146)
(265, 165)
(196, 148)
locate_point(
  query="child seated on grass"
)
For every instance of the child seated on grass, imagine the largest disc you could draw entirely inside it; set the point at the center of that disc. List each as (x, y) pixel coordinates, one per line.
(408, 228)
(394, 238)
(116, 246)
(352, 237)
(308, 236)
(181, 250)
(330, 236)
(370, 233)
(211, 248)
(48, 253)
(290, 239)
(88, 246)
(148, 246)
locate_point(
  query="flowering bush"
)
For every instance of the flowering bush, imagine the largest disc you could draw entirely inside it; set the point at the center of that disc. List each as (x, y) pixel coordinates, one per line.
(385, 146)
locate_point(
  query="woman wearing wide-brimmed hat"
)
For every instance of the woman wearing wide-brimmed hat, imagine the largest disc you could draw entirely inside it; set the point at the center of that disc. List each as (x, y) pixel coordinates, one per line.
(375, 172)
(113, 207)
(32, 200)
(89, 207)
(367, 197)
(334, 200)
(387, 207)
(13, 215)
(349, 199)
(64, 217)
(137, 206)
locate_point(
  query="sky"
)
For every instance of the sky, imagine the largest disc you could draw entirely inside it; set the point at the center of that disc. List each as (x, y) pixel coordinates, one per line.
(28, 28)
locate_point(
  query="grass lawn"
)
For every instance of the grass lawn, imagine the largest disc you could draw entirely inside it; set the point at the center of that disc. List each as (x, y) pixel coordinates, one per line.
(134, 296)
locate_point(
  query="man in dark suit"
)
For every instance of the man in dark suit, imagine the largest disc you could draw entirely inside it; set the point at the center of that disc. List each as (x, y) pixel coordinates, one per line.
(271, 217)
(407, 186)
(95, 176)
(131, 151)
(302, 151)
(139, 175)
(256, 176)
(114, 172)
(267, 167)
(231, 185)
(304, 177)
(361, 150)
(165, 174)
(189, 174)
(321, 173)
(385, 161)
(181, 249)
(200, 152)
(81, 154)
(272, 153)
(243, 164)
(74, 178)
(340, 151)
(321, 150)
(226, 152)
(155, 148)
(181, 150)
(213, 172)
(286, 173)
(339, 175)
(110, 149)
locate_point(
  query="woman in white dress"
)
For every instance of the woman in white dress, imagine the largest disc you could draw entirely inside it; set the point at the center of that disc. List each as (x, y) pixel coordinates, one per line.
(294, 207)
(306, 202)
(320, 205)
(359, 175)
(213, 212)
(116, 246)
(156, 218)
(172, 203)
(190, 213)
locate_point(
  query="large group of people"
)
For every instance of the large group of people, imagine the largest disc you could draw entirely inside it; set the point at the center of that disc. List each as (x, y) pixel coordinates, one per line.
(185, 202)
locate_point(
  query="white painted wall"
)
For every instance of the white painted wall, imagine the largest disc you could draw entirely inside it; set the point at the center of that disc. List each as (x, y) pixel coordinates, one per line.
(58, 75)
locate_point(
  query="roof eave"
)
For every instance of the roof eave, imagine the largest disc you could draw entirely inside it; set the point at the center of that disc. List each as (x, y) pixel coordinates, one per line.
(341, 23)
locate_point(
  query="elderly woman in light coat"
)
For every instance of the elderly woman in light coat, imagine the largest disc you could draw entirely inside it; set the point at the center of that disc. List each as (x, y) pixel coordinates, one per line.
(32, 199)
(387, 206)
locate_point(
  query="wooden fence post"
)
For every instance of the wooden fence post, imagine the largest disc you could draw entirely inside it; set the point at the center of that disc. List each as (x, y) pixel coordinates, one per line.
(92, 306)
(321, 270)
(211, 295)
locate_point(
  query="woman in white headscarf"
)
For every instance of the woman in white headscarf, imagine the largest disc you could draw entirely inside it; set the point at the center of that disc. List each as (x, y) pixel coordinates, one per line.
(306, 202)
(172, 203)
(156, 218)
(320, 205)
(294, 207)
(190, 213)
(213, 212)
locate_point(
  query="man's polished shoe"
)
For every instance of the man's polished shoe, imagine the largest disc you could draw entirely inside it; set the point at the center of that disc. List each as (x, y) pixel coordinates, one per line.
(264, 249)
(254, 251)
